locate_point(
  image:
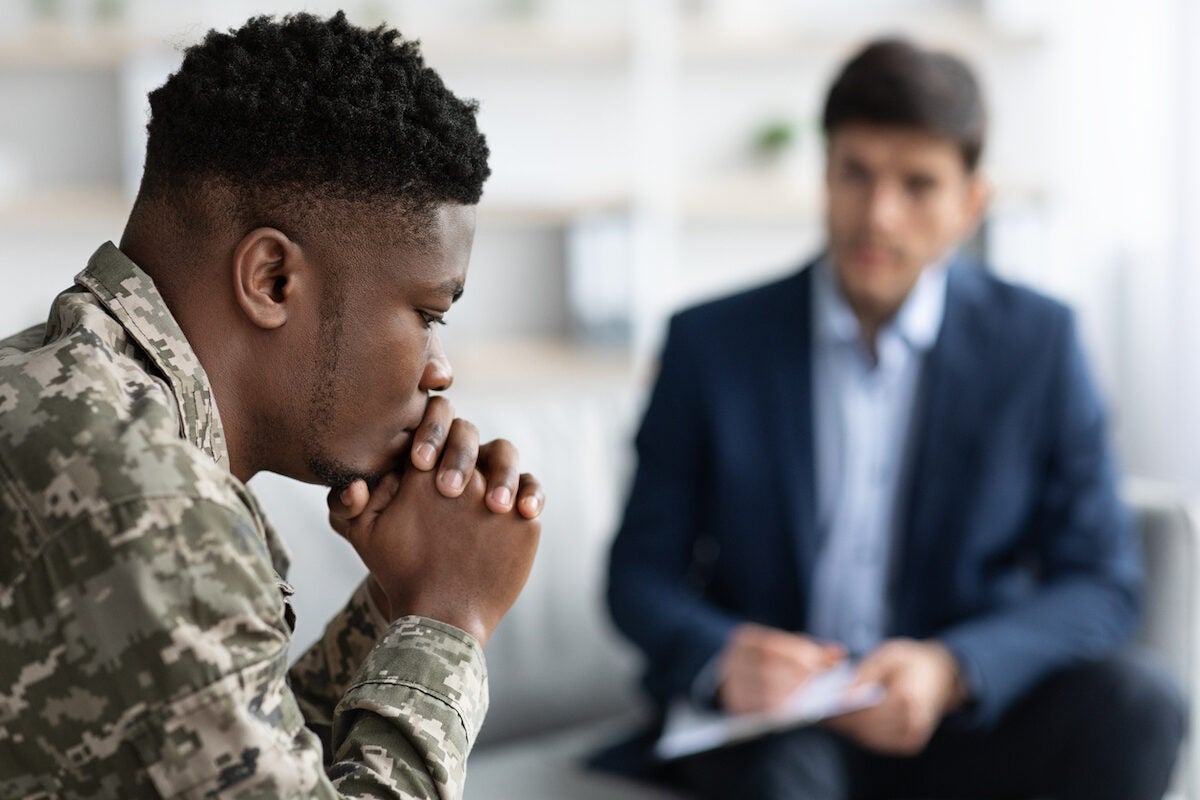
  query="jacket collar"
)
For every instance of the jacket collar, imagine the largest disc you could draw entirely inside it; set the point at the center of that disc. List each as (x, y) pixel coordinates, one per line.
(130, 296)
(917, 322)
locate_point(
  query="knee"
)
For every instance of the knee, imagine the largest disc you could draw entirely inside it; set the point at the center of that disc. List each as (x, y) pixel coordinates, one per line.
(1145, 702)
(806, 763)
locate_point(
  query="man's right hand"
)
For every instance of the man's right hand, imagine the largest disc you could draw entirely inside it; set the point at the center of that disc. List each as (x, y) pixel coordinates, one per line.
(761, 667)
(450, 559)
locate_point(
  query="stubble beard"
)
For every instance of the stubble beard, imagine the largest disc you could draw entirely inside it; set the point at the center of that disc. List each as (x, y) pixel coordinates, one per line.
(323, 405)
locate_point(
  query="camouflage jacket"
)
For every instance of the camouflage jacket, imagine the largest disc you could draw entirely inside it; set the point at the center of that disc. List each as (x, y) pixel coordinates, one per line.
(144, 622)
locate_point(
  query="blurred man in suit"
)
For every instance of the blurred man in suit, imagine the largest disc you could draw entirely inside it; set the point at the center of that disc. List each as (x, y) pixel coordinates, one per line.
(894, 457)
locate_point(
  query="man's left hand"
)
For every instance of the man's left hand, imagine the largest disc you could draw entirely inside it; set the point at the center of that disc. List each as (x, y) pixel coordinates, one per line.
(452, 446)
(922, 684)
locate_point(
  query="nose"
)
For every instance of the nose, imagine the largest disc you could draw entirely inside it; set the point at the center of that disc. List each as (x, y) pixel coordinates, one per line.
(438, 374)
(885, 206)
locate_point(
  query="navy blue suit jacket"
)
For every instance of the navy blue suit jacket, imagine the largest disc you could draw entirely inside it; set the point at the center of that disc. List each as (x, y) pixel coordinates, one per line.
(1016, 552)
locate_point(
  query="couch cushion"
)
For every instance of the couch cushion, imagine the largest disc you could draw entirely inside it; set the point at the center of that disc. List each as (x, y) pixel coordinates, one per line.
(550, 767)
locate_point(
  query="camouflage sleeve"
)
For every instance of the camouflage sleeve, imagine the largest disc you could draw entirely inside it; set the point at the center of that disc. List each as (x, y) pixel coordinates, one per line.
(321, 676)
(392, 731)
(419, 669)
(194, 644)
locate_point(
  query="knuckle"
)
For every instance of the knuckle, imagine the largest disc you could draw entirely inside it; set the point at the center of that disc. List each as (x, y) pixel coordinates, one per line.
(433, 431)
(462, 458)
(465, 426)
(502, 472)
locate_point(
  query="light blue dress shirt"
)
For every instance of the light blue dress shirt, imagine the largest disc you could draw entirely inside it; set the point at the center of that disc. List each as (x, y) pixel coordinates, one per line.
(863, 424)
(863, 412)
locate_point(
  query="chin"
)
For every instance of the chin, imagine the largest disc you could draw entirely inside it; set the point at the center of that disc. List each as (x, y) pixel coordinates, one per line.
(337, 474)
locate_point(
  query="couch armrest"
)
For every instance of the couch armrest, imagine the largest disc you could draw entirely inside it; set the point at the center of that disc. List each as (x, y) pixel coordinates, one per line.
(1169, 527)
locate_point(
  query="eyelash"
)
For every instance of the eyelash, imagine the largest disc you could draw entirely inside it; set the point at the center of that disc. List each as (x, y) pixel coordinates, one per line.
(431, 319)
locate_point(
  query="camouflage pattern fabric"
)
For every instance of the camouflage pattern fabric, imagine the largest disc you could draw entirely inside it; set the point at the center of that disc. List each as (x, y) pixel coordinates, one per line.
(144, 622)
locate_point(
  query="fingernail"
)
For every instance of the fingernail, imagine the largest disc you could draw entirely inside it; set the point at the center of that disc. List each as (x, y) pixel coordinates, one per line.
(345, 496)
(502, 496)
(453, 479)
(425, 452)
(530, 504)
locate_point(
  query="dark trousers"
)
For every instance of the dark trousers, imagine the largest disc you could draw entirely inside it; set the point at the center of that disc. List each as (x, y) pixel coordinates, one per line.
(1109, 730)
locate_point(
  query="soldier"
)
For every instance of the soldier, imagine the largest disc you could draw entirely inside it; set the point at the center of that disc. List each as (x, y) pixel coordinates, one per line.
(303, 225)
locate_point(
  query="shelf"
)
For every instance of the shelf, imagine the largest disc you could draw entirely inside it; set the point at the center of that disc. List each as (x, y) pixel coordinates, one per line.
(731, 200)
(46, 209)
(709, 42)
(58, 45)
(774, 199)
(547, 212)
(65, 208)
(524, 42)
(533, 41)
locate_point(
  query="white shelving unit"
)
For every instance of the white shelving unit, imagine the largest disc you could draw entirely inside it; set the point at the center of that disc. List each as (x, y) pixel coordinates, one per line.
(621, 144)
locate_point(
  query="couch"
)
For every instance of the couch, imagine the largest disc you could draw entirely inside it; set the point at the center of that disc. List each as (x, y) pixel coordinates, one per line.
(562, 681)
(549, 713)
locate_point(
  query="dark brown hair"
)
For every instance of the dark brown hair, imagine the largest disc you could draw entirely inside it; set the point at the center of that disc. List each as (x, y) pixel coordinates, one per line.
(894, 82)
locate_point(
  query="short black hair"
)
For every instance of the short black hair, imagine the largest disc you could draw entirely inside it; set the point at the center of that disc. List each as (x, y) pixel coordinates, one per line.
(894, 82)
(288, 112)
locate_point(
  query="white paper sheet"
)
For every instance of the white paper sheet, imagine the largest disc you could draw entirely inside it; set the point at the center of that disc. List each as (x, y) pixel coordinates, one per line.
(689, 729)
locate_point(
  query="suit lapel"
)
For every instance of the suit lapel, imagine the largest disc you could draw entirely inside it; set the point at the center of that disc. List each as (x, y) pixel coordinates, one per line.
(794, 421)
(944, 448)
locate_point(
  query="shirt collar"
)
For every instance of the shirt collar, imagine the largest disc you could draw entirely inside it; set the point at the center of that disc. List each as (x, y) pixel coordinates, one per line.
(130, 295)
(918, 321)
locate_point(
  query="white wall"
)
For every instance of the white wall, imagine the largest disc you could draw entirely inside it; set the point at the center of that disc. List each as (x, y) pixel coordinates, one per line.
(1096, 112)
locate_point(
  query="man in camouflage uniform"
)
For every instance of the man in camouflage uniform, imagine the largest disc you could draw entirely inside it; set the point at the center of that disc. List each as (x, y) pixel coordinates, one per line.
(305, 217)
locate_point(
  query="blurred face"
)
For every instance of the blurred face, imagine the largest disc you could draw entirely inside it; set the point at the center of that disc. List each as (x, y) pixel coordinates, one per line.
(898, 200)
(380, 350)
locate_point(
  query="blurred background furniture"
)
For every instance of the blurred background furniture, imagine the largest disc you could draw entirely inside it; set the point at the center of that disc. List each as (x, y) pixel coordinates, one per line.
(536, 690)
(563, 683)
(648, 153)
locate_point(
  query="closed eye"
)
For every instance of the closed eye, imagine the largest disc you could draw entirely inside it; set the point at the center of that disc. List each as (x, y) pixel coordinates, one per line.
(431, 319)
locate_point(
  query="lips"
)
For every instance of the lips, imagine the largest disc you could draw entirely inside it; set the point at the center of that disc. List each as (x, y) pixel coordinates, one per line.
(399, 446)
(871, 253)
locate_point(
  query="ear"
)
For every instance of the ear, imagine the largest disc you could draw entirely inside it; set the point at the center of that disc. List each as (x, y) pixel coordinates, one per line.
(269, 271)
(977, 200)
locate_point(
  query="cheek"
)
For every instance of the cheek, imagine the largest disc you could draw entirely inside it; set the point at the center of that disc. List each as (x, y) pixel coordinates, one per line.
(948, 219)
(385, 364)
(407, 354)
(410, 363)
(842, 215)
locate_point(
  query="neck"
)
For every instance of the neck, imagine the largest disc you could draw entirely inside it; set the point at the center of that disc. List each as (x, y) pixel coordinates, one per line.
(871, 319)
(222, 367)
(211, 333)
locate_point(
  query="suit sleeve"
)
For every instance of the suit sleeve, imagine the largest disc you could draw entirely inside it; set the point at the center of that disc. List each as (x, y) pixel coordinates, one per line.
(1087, 601)
(653, 595)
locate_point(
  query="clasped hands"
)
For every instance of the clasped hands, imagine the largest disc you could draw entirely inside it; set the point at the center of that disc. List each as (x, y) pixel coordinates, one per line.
(452, 537)
(761, 667)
